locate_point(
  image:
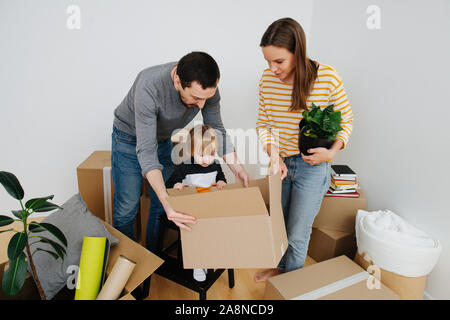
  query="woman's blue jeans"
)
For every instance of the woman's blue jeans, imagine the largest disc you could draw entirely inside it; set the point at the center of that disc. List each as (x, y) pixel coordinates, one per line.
(127, 181)
(302, 192)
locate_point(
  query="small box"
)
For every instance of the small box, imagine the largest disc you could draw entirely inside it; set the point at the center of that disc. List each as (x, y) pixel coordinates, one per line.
(325, 244)
(95, 184)
(146, 264)
(335, 279)
(96, 187)
(339, 213)
(237, 227)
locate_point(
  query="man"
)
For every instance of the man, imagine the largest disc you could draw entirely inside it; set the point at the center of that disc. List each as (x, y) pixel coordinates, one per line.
(162, 99)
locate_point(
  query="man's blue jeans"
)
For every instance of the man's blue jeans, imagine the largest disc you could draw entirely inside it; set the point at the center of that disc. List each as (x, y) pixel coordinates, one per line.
(302, 192)
(127, 181)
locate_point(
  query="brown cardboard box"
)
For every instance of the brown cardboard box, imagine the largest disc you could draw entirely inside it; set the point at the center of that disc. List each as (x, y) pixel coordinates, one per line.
(335, 279)
(237, 227)
(146, 263)
(96, 188)
(95, 184)
(325, 244)
(408, 288)
(339, 214)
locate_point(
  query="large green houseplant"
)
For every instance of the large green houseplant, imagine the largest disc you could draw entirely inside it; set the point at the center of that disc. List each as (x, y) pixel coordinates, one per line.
(318, 128)
(14, 276)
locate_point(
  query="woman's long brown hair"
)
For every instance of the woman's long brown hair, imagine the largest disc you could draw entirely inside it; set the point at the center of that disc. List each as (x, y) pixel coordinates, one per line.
(288, 33)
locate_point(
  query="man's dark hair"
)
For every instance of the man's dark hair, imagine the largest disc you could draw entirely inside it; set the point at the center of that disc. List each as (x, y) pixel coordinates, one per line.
(198, 66)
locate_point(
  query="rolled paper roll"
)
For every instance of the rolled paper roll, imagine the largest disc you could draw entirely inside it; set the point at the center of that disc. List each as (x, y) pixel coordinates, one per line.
(117, 279)
(93, 262)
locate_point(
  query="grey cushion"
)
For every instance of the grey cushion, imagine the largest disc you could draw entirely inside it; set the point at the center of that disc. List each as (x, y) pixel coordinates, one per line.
(76, 222)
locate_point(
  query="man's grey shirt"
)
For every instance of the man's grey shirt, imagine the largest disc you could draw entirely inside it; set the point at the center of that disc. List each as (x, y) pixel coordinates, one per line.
(152, 110)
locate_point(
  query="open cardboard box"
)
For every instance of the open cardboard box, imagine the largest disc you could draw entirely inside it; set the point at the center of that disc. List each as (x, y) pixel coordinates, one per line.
(336, 279)
(146, 264)
(237, 227)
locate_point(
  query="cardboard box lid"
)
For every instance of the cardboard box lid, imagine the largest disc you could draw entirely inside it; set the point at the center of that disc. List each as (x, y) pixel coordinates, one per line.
(97, 160)
(334, 234)
(293, 284)
(229, 202)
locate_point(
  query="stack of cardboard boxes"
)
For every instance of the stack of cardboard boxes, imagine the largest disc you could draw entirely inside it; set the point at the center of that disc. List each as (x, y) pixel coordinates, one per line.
(333, 232)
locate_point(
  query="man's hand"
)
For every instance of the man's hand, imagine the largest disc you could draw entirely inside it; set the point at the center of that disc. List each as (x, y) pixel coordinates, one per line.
(155, 179)
(242, 176)
(181, 220)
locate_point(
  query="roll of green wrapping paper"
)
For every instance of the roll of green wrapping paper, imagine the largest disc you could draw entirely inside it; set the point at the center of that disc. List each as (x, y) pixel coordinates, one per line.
(93, 262)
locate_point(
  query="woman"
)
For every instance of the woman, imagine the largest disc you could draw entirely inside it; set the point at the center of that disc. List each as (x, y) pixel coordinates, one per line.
(290, 85)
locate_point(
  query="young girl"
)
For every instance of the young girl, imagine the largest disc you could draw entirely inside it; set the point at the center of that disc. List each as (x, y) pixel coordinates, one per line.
(290, 85)
(201, 171)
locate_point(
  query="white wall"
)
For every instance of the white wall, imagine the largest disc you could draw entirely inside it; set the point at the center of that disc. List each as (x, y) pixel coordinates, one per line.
(59, 87)
(397, 80)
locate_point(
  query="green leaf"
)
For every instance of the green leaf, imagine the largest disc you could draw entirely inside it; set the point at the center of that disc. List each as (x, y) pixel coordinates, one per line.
(328, 109)
(11, 184)
(58, 248)
(54, 255)
(322, 123)
(14, 277)
(7, 230)
(16, 245)
(36, 227)
(18, 213)
(47, 206)
(5, 220)
(36, 203)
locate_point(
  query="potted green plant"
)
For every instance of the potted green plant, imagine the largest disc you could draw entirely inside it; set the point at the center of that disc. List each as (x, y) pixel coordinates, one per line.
(14, 277)
(318, 128)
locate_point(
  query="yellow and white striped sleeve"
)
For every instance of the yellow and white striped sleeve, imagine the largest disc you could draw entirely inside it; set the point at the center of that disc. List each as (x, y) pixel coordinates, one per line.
(341, 103)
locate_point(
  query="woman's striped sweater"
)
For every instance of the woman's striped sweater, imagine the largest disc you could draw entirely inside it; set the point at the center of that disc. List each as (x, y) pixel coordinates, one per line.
(277, 125)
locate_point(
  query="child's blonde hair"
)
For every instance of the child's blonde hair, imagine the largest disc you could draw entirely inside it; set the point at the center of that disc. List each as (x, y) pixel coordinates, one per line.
(203, 140)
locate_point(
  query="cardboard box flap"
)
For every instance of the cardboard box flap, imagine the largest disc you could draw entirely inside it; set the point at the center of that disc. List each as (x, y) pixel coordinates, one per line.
(275, 191)
(263, 188)
(146, 262)
(226, 203)
(336, 235)
(278, 228)
(97, 160)
(314, 276)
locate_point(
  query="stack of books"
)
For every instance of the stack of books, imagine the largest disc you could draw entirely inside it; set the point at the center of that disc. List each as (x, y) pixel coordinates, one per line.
(344, 182)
